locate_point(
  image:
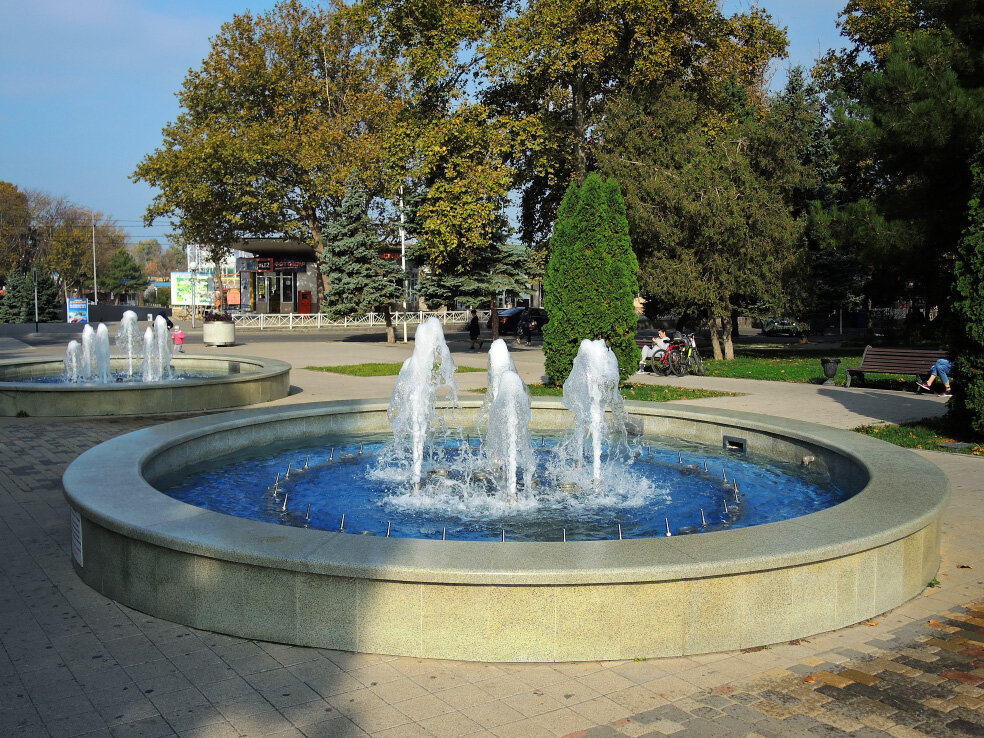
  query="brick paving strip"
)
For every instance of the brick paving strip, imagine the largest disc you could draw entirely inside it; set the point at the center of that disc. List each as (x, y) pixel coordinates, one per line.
(74, 663)
(929, 685)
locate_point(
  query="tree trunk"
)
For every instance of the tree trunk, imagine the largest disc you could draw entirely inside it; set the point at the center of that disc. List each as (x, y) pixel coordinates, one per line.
(220, 295)
(715, 341)
(319, 250)
(735, 314)
(729, 346)
(495, 318)
(390, 332)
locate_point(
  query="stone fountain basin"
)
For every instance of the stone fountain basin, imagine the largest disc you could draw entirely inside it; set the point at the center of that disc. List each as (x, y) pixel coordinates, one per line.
(241, 381)
(492, 601)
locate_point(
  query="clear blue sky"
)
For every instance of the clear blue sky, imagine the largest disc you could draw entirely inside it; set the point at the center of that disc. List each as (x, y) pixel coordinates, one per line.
(87, 85)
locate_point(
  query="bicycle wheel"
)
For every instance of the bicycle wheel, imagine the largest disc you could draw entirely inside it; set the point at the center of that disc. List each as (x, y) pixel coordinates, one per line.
(697, 364)
(677, 363)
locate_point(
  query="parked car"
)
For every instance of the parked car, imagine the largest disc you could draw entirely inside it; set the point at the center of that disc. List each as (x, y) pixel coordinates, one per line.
(782, 327)
(510, 317)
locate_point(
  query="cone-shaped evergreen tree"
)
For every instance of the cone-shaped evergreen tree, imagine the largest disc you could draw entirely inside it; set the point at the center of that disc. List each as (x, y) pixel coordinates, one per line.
(360, 279)
(591, 279)
(623, 321)
(968, 325)
(15, 302)
(49, 299)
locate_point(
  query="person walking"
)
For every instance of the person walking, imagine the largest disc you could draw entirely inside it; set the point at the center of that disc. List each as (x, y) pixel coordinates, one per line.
(179, 339)
(475, 331)
(942, 369)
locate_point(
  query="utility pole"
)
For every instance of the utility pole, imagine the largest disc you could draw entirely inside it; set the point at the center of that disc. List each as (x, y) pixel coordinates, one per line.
(403, 253)
(95, 289)
(34, 274)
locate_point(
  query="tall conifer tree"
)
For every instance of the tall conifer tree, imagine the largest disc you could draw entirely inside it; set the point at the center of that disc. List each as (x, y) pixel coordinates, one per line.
(590, 279)
(968, 307)
(360, 280)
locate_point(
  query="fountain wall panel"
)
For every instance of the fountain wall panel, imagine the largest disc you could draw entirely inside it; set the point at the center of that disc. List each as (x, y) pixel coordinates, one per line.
(509, 601)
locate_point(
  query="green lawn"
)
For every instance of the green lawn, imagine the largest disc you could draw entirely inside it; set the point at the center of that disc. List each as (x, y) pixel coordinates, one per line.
(644, 392)
(928, 434)
(379, 369)
(799, 365)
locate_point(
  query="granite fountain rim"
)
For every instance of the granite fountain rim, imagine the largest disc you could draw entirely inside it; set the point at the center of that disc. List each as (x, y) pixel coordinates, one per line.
(107, 485)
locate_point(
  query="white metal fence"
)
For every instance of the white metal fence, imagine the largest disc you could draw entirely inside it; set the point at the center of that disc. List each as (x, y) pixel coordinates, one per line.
(291, 321)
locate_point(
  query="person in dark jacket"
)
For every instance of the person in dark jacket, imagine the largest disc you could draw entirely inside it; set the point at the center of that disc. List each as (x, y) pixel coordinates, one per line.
(475, 331)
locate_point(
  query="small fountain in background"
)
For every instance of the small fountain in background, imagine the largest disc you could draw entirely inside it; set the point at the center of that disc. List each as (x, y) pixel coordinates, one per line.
(89, 360)
(73, 362)
(127, 339)
(156, 352)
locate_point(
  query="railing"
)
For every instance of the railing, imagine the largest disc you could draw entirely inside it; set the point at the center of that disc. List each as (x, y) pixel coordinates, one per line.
(291, 321)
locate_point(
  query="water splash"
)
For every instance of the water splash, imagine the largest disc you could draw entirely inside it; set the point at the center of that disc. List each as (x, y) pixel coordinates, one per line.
(427, 373)
(156, 352)
(508, 446)
(128, 339)
(591, 389)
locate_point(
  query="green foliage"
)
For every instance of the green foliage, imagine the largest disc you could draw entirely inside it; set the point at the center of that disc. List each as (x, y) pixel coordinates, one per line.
(18, 295)
(968, 308)
(17, 302)
(284, 108)
(123, 275)
(708, 209)
(639, 392)
(359, 278)
(909, 114)
(15, 221)
(591, 280)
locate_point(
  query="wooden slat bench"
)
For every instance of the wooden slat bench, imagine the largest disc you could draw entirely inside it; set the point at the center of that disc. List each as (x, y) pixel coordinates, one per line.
(916, 362)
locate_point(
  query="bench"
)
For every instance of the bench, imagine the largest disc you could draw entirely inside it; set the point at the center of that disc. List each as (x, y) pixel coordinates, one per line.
(916, 362)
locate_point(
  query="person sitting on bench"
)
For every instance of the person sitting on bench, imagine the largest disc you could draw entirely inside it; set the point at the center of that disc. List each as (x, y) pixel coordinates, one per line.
(659, 345)
(941, 369)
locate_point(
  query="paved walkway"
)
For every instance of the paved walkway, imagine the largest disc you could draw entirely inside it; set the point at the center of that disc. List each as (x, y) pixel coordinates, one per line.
(74, 663)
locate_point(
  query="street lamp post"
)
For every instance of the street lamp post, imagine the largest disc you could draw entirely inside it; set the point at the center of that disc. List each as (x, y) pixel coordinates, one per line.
(194, 282)
(34, 274)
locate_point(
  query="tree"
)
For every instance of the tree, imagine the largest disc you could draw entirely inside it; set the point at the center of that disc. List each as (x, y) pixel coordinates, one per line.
(18, 295)
(123, 275)
(359, 279)
(15, 222)
(589, 284)
(557, 64)
(706, 212)
(284, 108)
(967, 337)
(909, 112)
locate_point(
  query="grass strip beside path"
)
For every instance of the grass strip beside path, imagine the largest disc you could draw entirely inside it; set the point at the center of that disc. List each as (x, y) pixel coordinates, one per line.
(378, 369)
(643, 392)
(929, 434)
(800, 365)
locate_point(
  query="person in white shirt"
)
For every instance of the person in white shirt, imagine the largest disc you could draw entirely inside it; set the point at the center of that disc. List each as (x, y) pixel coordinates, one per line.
(659, 345)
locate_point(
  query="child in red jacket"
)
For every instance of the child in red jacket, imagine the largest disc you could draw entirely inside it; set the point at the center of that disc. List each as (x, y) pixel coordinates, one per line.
(179, 338)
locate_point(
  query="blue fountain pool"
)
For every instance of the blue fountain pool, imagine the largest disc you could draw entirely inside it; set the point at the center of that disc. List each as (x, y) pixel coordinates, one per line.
(674, 485)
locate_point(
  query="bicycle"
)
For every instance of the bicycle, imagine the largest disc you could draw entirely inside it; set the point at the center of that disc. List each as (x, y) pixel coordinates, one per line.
(670, 361)
(692, 359)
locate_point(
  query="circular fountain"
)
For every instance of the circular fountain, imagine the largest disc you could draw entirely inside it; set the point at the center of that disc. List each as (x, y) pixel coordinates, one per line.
(548, 600)
(142, 378)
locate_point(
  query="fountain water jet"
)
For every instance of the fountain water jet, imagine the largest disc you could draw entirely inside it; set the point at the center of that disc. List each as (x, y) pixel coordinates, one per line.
(591, 389)
(508, 444)
(127, 337)
(411, 414)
